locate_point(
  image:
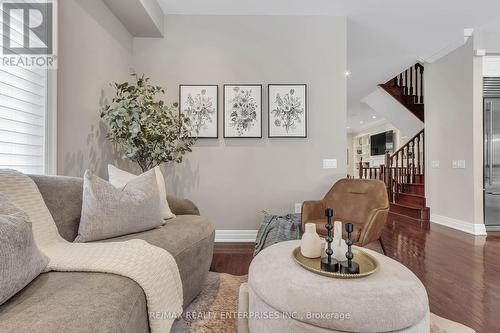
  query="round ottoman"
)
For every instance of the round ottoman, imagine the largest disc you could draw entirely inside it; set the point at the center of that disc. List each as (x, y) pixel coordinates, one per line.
(284, 297)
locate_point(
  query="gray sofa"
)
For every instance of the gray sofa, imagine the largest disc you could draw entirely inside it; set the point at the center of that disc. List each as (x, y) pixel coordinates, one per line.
(98, 302)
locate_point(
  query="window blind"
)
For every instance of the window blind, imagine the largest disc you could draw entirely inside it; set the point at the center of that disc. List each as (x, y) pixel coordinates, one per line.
(23, 109)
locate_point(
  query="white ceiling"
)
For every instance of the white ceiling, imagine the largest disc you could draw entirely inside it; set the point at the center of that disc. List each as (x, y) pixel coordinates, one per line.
(383, 37)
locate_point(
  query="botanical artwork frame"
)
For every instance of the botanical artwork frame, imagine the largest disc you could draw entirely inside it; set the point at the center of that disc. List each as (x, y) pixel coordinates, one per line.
(242, 110)
(282, 120)
(200, 103)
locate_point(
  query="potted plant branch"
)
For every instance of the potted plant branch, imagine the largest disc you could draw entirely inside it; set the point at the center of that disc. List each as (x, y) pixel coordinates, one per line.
(144, 128)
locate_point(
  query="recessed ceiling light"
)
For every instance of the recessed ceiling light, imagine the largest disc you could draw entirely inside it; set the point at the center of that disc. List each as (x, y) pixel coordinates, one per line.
(374, 117)
(347, 73)
(361, 121)
(348, 127)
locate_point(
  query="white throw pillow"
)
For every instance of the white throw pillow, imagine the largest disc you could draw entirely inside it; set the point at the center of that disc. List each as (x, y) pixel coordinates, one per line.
(119, 179)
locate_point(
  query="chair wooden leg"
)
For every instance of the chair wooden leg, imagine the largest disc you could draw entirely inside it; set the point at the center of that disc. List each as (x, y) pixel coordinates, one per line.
(382, 245)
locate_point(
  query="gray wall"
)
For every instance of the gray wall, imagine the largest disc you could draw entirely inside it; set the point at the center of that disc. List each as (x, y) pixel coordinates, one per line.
(94, 50)
(232, 180)
(453, 131)
(490, 41)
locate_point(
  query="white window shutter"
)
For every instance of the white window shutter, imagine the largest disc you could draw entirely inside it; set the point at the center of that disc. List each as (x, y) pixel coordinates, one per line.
(23, 113)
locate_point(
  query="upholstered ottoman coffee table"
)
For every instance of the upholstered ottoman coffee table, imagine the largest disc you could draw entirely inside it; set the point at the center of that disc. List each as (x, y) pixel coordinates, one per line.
(281, 296)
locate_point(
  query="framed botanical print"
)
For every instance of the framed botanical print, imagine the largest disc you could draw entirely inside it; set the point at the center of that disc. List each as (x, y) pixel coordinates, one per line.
(242, 111)
(200, 104)
(287, 110)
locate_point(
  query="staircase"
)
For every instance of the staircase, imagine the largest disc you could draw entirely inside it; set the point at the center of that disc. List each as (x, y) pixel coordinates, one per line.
(404, 171)
(408, 89)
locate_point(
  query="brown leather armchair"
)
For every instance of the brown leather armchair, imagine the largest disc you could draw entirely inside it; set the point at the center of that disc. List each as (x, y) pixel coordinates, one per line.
(362, 202)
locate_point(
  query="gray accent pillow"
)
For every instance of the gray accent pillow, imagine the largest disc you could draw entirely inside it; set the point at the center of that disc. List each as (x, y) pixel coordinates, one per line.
(109, 212)
(20, 259)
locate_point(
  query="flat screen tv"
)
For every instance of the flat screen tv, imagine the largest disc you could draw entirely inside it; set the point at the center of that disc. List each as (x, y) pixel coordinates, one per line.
(380, 143)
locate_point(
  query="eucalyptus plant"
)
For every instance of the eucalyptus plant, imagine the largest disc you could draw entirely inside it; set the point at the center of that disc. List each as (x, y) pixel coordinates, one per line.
(146, 130)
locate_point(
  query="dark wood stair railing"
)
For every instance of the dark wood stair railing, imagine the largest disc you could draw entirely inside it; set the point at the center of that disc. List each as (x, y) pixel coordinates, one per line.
(408, 88)
(406, 165)
(404, 175)
(366, 172)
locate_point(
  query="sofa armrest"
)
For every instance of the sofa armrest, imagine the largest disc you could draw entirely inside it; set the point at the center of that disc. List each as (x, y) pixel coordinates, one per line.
(180, 206)
(312, 210)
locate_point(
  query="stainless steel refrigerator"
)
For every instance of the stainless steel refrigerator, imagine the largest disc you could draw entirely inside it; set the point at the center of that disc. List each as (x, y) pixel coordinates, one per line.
(492, 163)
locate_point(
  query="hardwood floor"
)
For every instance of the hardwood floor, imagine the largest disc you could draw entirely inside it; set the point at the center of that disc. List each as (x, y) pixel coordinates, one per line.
(461, 272)
(232, 258)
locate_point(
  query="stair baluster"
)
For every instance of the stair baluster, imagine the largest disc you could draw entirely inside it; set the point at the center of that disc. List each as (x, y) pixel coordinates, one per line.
(415, 99)
(421, 72)
(413, 171)
(398, 170)
(411, 80)
(405, 86)
(418, 153)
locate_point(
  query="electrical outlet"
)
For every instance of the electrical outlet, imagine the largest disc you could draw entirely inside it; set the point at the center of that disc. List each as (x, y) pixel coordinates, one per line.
(298, 208)
(435, 164)
(330, 164)
(454, 164)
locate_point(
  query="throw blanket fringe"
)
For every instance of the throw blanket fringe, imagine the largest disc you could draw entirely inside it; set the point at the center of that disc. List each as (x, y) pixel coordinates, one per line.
(153, 268)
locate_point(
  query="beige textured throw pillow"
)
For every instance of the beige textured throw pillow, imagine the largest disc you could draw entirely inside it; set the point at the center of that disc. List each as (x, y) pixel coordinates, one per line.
(109, 212)
(119, 178)
(20, 259)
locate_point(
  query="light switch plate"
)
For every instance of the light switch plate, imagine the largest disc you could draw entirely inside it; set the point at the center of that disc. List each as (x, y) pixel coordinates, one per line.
(435, 164)
(298, 208)
(458, 164)
(330, 164)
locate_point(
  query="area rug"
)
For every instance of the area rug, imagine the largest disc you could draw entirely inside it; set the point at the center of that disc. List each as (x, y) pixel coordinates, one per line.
(214, 310)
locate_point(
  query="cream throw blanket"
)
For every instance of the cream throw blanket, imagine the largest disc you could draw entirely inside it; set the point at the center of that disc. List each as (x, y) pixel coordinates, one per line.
(153, 268)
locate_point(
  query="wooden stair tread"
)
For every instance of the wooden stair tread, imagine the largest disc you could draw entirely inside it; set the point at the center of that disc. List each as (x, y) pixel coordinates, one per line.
(417, 213)
(410, 199)
(411, 194)
(414, 184)
(407, 205)
(409, 219)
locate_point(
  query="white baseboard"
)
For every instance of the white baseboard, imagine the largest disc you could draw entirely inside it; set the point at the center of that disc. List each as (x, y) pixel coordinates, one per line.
(470, 228)
(249, 236)
(236, 236)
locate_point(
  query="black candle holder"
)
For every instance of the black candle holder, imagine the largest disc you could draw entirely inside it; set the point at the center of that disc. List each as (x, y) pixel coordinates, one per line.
(349, 266)
(328, 263)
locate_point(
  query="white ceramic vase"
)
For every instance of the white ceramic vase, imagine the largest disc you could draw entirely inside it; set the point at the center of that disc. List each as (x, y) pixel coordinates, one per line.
(339, 246)
(310, 245)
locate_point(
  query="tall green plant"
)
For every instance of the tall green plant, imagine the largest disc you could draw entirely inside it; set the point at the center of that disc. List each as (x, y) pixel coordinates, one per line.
(146, 130)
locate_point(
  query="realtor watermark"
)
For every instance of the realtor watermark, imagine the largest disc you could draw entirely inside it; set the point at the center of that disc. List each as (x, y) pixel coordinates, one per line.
(29, 33)
(259, 315)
